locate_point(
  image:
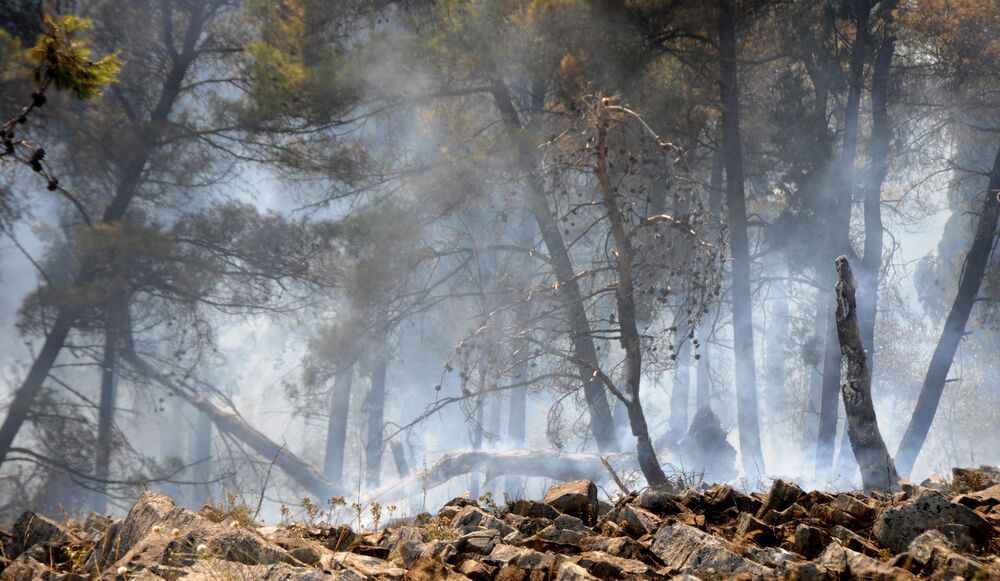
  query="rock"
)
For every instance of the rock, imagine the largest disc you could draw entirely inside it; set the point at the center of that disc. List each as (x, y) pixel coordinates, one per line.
(530, 525)
(577, 498)
(305, 554)
(932, 553)
(570, 523)
(569, 571)
(853, 565)
(475, 570)
(555, 539)
(809, 541)
(31, 528)
(634, 520)
(525, 559)
(471, 518)
(405, 552)
(771, 556)
(986, 497)
(366, 567)
(794, 512)
(964, 480)
(781, 496)
(659, 500)
(936, 482)
(443, 551)
(605, 566)
(853, 541)
(623, 547)
(427, 569)
(338, 538)
(533, 509)
(897, 526)
(685, 549)
(854, 507)
(749, 528)
(479, 542)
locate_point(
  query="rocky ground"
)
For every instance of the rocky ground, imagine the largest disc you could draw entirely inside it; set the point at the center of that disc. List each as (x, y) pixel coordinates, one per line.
(937, 530)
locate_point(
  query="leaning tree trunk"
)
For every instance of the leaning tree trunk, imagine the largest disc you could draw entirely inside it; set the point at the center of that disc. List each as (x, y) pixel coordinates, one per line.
(336, 430)
(839, 243)
(624, 298)
(601, 424)
(954, 327)
(747, 413)
(230, 423)
(877, 470)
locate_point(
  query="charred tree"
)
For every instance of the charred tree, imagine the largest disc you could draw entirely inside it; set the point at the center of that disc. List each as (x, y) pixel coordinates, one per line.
(877, 469)
(336, 431)
(976, 262)
(373, 410)
(748, 417)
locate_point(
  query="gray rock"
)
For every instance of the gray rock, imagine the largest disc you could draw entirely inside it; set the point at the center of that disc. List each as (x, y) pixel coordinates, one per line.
(986, 497)
(635, 520)
(605, 566)
(569, 523)
(405, 552)
(443, 551)
(781, 496)
(809, 541)
(623, 547)
(526, 559)
(659, 500)
(479, 542)
(853, 565)
(685, 549)
(569, 571)
(471, 518)
(533, 509)
(366, 567)
(31, 528)
(934, 553)
(749, 528)
(578, 498)
(897, 526)
(974, 479)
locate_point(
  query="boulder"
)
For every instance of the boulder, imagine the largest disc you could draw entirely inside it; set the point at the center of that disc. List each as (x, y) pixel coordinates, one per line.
(471, 518)
(931, 553)
(850, 564)
(809, 541)
(634, 520)
(480, 542)
(974, 479)
(781, 496)
(525, 559)
(685, 549)
(32, 528)
(578, 498)
(659, 500)
(605, 566)
(749, 528)
(897, 526)
(988, 497)
(427, 569)
(568, 571)
(530, 508)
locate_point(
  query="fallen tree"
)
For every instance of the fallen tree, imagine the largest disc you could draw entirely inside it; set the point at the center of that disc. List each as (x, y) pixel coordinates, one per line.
(297, 468)
(540, 463)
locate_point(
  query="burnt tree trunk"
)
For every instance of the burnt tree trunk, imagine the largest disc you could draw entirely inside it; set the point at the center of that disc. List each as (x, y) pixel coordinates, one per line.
(336, 429)
(747, 413)
(105, 410)
(954, 327)
(877, 470)
(601, 424)
(373, 409)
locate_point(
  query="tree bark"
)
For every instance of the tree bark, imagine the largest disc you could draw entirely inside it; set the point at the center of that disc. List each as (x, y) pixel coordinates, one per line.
(877, 470)
(739, 244)
(336, 430)
(839, 240)
(105, 410)
(976, 262)
(601, 424)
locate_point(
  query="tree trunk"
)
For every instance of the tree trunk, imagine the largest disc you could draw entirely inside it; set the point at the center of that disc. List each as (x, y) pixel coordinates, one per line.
(680, 395)
(551, 464)
(105, 411)
(601, 424)
(954, 327)
(625, 300)
(203, 453)
(373, 409)
(336, 430)
(839, 242)
(881, 140)
(739, 245)
(877, 470)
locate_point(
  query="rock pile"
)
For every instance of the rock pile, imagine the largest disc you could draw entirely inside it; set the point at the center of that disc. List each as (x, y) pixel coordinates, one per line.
(930, 531)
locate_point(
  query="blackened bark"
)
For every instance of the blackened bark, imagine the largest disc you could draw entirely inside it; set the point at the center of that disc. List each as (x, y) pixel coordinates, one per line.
(336, 430)
(954, 327)
(601, 424)
(877, 470)
(739, 245)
